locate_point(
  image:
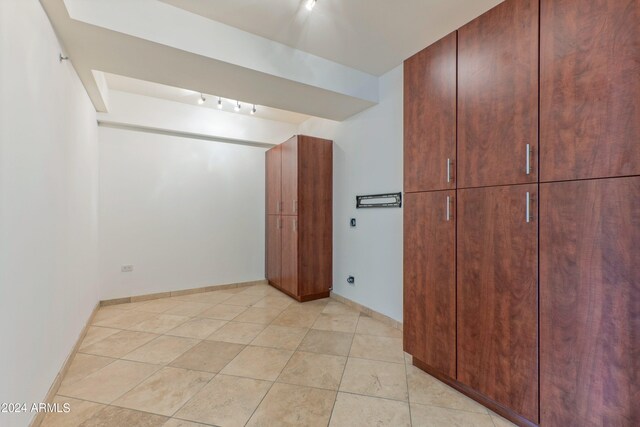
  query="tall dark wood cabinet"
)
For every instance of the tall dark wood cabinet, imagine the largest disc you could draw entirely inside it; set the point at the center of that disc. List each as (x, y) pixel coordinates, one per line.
(589, 89)
(528, 299)
(590, 303)
(498, 295)
(299, 235)
(498, 96)
(430, 279)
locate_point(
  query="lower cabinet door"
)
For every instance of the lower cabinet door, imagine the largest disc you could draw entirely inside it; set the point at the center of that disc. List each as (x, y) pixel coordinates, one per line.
(274, 249)
(590, 303)
(430, 279)
(289, 272)
(498, 295)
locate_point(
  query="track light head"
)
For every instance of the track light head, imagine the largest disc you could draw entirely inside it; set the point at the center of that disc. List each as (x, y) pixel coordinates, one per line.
(201, 100)
(219, 103)
(237, 107)
(253, 110)
(310, 4)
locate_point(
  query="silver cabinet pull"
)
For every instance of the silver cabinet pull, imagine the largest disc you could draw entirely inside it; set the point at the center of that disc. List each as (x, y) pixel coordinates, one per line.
(528, 161)
(448, 170)
(528, 213)
(448, 208)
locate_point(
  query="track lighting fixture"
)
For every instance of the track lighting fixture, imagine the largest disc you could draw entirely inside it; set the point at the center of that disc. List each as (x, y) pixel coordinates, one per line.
(237, 107)
(310, 4)
(201, 100)
(219, 103)
(253, 110)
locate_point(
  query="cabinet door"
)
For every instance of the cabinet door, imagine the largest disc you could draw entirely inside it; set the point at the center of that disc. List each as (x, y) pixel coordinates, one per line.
(430, 279)
(498, 295)
(589, 89)
(290, 176)
(430, 117)
(498, 96)
(590, 303)
(274, 248)
(289, 273)
(273, 180)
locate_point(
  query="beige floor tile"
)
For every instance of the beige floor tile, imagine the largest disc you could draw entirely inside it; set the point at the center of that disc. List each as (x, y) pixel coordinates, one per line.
(314, 370)
(110, 382)
(318, 303)
(260, 363)
(83, 365)
(223, 312)
(175, 422)
(109, 312)
(95, 334)
(112, 416)
(225, 401)
(188, 308)
(215, 297)
(498, 421)
(264, 290)
(210, 356)
(237, 333)
(293, 405)
(157, 305)
(363, 411)
(117, 345)
(283, 337)
(162, 350)
(336, 322)
(159, 323)
(295, 317)
(377, 348)
(80, 411)
(131, 305)
(425, 389)
(125, 320)
(327, 342)
(258, 315)
(244, 300)
(433, 416)
(335, 307)
(369, 326)
(280, 302)
(165, 391)
(375, 378)
(197, 328)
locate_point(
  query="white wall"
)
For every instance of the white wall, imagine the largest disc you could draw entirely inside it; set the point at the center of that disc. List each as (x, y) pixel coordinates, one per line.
(368, 160)
(185, 213)
(48, 206)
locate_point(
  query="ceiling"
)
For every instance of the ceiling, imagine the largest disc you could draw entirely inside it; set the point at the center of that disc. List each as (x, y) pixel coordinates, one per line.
(373, 36)
(185, 96)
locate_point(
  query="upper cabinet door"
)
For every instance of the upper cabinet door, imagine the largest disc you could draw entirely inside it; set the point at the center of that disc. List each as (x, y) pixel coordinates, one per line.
(498, 295)
(498, 96)
(290, 177)
(590, 303)
(589, 89)
(273, 180)
(430, 279)
(430, 117)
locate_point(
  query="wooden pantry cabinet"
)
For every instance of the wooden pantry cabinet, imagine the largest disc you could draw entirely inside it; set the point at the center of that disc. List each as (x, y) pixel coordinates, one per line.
(528, 298)
(299, 222)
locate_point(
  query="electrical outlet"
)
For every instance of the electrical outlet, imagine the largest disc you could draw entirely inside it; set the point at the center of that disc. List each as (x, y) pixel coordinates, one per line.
(351, 280)
(352, 222)
(126, 268)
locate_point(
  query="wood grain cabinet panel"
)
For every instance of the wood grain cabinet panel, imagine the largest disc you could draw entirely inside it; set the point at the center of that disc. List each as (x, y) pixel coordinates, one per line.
(589, 89)
(590, 303)
(430, 117)
(289, 262)
(273, 167)
(497, 254)
(498, 96)
(273, 248)
(430, 279)
(290, 176)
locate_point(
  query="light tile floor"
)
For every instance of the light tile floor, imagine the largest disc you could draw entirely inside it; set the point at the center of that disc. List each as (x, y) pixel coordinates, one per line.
(252, 356)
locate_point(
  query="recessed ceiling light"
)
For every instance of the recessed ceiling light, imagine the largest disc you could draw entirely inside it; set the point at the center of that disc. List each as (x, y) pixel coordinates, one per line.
(310, 4)
(201, 100)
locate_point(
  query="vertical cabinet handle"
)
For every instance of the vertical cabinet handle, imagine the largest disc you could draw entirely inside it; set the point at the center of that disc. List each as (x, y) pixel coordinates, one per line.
(528, 160)
(448, 170)
(448, 216)
(528, 213)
